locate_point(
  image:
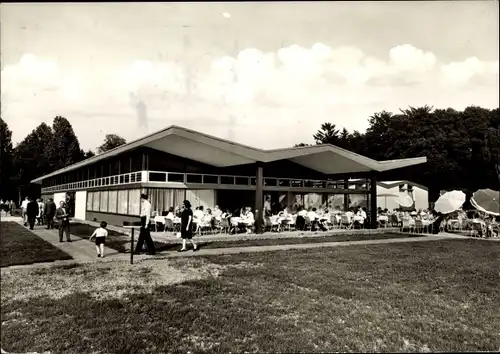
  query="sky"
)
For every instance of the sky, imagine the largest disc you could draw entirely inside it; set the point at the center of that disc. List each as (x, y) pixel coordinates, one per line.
(265, 74)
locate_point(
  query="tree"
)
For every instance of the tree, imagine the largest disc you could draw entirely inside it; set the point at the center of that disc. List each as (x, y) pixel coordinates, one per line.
(462, 148)
(64, 148)
(328, 134)
(111, 141)
(32, 157)
(88, 154)
(302, 145)
(7, 189)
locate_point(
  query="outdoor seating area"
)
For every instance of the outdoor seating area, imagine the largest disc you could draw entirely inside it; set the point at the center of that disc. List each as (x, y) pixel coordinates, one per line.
(208, 222)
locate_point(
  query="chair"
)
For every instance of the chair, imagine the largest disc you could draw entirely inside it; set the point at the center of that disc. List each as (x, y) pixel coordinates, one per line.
(307, 223)
(285, 224)
(405, 224)
(292, 223)
(346, 221)
(159, 220)
(394, 220)
(224, 225)
(169, 226)
(275, 224)
(419, 225)
(333, 221)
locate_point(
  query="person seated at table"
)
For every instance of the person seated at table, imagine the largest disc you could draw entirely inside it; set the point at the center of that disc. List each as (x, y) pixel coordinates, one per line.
(178, 212)
(358, 217)
(314, 217)
(170, 214)
(197, 217)
(301, 218)
(208, 218)
(323, 220)
(217, 213)
(248, 219)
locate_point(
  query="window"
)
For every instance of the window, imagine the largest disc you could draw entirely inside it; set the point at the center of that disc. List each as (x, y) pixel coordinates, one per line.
(134, 201)
(112, 200)
(89, 200)
(104, 201)
(95, 205)
(122, 202)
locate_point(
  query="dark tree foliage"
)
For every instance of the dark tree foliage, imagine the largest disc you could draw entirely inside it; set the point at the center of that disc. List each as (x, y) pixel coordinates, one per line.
(64, 147)
(31, 157)
(111, 141)
(7, 189)
(462, 148)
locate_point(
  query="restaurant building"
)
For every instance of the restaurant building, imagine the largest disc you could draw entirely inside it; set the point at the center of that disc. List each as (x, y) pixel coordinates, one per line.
(178, 163)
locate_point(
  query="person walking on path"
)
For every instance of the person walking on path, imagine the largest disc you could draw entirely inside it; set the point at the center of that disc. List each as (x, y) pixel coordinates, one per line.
(32, 212)
(186, 227)
(40, 215)
(50, 211)
(144, 234)
(100, 235)
(63, 219)
(24, 206)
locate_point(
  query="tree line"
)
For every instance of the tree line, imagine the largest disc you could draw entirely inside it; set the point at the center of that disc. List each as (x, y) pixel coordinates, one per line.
(462, 148)
(44, 150)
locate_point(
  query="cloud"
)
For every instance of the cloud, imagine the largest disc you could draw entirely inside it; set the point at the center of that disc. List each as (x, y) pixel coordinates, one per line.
(267, 99)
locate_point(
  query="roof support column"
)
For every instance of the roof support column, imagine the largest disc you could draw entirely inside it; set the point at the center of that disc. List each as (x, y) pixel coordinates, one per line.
(259, 198)
(373, 201)
(346, 196)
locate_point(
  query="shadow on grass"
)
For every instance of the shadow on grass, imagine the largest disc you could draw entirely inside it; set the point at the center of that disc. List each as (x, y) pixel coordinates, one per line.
(20, 246)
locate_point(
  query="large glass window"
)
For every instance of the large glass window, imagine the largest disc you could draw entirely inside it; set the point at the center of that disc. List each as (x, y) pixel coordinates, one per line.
(134, 201)
(104, 201)
(96, 202)
(112, 200)
(122, 202)
(89, 200)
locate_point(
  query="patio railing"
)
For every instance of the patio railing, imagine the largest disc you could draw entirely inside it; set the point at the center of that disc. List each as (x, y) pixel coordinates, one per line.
(209, 179)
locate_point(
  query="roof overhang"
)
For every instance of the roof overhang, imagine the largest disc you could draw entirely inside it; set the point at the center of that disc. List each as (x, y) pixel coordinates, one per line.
(326, 159)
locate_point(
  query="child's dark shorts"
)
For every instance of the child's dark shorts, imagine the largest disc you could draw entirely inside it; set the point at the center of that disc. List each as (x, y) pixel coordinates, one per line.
(100, 240)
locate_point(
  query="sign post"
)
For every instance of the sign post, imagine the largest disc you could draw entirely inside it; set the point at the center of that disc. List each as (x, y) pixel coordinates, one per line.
(132, 225)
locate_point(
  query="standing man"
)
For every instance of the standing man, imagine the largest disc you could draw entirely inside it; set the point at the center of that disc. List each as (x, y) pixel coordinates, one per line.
(40, 212)
(144, 234)
(267, 206)
(50, 212)
(32, 212)
(24, 207)
(63, 217)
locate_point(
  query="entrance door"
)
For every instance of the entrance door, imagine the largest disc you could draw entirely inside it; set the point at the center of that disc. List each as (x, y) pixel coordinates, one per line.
(80, 204)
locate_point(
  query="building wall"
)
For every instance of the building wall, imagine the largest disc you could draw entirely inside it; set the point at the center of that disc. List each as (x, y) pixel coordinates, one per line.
(112, 219)
(59, 197)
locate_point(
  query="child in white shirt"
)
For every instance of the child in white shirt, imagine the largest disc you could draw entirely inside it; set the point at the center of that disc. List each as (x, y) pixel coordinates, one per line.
(100, 238)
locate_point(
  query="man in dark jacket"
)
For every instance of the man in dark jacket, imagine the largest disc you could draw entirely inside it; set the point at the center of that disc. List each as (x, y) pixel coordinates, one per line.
(50, 212)
(32, 212)
(62, 217)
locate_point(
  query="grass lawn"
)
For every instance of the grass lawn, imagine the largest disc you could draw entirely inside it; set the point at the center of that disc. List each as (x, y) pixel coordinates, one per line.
(299, 240)
(19, 245)
(407, 297)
